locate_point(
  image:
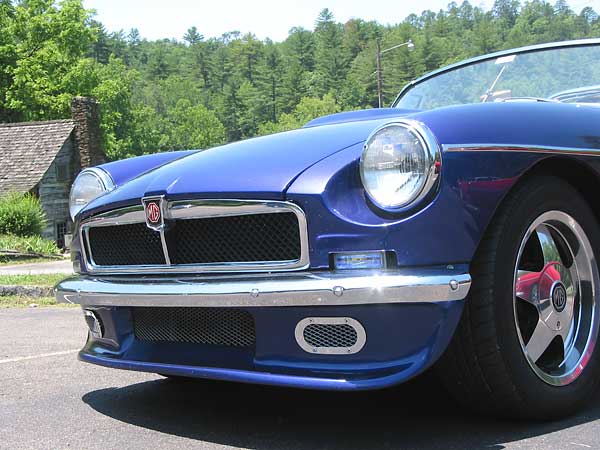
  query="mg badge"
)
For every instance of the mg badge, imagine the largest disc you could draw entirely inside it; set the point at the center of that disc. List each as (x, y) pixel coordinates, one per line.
(154, 212)
(559, 296)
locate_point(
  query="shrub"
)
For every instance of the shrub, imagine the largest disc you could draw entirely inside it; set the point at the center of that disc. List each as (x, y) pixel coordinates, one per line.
(21, 215)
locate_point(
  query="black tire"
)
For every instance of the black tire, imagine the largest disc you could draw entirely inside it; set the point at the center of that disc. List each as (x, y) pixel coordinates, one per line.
(485, 366)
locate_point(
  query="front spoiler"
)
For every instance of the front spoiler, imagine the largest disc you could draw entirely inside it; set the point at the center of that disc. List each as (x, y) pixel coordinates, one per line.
(330, 383)
(414, 285)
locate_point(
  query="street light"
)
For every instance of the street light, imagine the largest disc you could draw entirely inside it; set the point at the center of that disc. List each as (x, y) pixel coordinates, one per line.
(409, 44)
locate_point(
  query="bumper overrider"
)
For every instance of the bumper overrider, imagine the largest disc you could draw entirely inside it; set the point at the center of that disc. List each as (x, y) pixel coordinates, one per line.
(390, 325)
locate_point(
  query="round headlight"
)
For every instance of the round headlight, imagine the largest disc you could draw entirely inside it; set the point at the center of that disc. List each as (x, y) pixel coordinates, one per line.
(89, 185)
(398, 164)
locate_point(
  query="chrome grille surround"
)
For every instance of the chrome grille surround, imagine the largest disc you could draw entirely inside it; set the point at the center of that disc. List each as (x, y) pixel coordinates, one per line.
(330, 335)
(194, 209)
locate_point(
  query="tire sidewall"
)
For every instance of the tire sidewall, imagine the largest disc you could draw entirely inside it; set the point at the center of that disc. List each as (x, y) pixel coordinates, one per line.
(543, 195)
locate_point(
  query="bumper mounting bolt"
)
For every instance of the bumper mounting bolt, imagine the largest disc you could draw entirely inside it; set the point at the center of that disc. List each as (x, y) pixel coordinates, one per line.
(338, 291)
(454, 285)
(254, 292)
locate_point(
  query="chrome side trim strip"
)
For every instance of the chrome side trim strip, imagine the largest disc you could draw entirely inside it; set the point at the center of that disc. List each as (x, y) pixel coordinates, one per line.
(195, 209)
(521, 148)
(282, 289)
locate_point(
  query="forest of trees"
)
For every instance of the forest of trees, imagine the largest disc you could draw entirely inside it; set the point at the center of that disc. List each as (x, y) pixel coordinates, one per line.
(196, 92)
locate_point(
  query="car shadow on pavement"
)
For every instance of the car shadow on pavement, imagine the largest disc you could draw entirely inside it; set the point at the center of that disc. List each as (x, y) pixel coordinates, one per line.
(418, 414)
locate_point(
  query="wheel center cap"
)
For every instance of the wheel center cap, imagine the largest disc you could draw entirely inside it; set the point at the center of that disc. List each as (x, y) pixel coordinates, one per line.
(559, 296)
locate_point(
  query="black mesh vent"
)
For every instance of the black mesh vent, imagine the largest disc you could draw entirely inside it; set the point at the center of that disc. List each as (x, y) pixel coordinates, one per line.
(214, 326)
(243, 239)
(251, 238)
(125, 245)
(330, 335)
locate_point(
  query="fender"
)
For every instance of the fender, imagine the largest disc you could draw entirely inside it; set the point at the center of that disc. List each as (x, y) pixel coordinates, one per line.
(125, 170)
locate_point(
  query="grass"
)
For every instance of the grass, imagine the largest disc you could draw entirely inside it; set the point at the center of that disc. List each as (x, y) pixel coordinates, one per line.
(46, 280)
(28, 244)
(25, 302)
(14, 301)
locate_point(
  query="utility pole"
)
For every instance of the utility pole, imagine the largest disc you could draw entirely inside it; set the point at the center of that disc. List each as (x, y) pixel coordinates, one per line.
(409, 44)
(379, 76)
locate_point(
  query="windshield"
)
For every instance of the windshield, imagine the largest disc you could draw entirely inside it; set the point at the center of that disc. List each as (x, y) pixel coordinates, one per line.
(558, 74)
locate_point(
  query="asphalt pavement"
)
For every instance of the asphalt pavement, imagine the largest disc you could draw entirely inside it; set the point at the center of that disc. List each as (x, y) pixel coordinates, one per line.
(50, 400)
(39, 268)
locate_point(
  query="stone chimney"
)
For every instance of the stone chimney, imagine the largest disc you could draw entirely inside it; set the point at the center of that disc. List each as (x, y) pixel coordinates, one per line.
(86, 115)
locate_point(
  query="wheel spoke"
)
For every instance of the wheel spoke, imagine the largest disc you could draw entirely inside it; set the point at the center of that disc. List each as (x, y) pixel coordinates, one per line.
(539, 341)
(566, 335)
(572, 286)
(569, 278)
(549, 247)
(527, 288)
(545, 309)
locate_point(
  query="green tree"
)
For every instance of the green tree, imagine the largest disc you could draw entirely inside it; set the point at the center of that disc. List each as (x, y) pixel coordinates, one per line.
(158, 60)
(300, 47)
(192, 37)
(247, 53)
(46, 41)
(330, 57)
(270, 85)
(294, 85)
(166, 94)
(307, 110)
(99, 48)
(194, 127)
(8, 60)
(113, 90)
(506, 11)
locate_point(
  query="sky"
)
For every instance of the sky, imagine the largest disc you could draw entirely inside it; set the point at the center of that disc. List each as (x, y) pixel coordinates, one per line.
(158, 19)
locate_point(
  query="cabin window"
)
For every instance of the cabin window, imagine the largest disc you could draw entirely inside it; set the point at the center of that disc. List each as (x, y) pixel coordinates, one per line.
(61, 230)
(62, 171)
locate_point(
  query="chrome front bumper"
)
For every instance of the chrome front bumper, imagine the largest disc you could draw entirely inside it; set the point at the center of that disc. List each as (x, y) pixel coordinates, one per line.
(275, 289)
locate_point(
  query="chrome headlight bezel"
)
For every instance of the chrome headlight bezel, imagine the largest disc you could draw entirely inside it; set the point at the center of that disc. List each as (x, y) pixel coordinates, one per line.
(432, 157)
(102, 178)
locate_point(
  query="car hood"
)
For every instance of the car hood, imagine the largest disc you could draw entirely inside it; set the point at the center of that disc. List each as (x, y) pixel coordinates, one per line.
(259, 168)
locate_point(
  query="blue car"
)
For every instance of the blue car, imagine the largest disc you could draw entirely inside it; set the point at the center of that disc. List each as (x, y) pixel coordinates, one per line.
(457, 229)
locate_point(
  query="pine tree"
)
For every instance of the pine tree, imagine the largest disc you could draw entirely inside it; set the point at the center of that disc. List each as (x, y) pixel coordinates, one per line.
(330, 58)
(192, 37)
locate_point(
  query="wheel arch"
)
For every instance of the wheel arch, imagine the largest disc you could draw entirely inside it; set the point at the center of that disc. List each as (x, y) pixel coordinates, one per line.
(577, 173)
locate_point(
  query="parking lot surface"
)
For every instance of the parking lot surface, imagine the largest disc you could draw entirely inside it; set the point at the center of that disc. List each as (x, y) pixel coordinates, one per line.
(49, 400)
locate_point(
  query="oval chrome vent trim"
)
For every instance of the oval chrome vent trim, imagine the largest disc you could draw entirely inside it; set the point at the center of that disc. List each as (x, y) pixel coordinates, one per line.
(330, 335)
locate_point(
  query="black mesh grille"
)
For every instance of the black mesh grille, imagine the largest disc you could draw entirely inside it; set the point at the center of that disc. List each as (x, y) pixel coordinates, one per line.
(330, 335)
(214, 326)
(244, 239)
(125, 245)
(257, 237)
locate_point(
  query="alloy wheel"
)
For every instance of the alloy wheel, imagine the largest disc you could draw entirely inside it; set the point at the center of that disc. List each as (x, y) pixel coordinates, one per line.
(554, 298)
